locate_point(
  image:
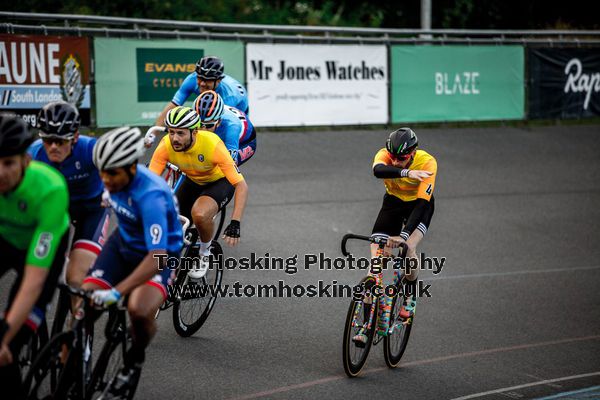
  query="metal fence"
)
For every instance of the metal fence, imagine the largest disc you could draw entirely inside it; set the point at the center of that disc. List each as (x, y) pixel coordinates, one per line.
(16, 22)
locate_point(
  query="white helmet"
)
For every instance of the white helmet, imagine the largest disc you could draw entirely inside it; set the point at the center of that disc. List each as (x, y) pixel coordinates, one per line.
(119, 147)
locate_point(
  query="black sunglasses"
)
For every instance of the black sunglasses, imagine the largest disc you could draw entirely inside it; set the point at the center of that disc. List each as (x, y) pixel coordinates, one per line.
(54, 140)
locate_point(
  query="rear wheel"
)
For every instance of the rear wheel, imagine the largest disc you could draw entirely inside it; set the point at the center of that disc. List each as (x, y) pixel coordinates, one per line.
(197, 297)
(355, 353)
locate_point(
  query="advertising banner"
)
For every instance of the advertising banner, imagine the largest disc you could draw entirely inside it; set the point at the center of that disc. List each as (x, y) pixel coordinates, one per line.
(297, 84)
(135, 79)
(457, 83)
(564, 83)
(35, 70)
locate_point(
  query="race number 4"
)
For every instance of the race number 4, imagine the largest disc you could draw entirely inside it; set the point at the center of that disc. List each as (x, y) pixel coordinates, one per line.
(428, 190)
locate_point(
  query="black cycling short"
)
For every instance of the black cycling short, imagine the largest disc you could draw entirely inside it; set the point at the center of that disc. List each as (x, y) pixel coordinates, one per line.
(221, 191)
(395, 212)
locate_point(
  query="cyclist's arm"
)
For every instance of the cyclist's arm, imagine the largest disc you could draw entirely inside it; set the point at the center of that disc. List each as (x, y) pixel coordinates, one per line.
(52, 225)
(160, 158)
(160, 120)
(153, 209)
(424, 193)
(383, 171)
(232, 173)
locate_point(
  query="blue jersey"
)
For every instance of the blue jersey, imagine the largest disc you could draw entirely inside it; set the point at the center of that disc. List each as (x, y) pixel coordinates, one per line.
(235, 129)
(78, 168)
(232, 92)
(147, 214)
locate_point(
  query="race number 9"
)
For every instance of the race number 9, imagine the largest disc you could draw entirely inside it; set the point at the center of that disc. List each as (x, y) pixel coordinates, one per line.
(156, 233)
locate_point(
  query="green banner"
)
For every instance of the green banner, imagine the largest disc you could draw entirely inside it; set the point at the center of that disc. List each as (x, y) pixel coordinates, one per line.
(135, 79)
(457, 83)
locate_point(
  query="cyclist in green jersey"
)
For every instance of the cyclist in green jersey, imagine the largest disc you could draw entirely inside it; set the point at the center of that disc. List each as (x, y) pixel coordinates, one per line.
(34, 225)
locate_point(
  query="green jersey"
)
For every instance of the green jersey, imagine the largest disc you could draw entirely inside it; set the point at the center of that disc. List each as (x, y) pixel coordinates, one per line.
(35, 216)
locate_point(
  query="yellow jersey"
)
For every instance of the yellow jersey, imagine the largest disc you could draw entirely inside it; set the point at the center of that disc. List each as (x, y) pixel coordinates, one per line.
(206, 161)
(408, 189)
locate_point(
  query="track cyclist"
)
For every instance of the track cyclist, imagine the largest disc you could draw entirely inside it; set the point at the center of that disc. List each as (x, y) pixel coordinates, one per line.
(34, 224)
(409, 178)
(149, 226)
(211, 181)
(62, 147)
(230, 124)
(209, 75)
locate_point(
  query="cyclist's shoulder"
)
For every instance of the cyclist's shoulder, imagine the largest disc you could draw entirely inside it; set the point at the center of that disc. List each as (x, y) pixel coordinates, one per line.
(423, 160)
(42, 182)
(424, 156)
(36, 149)
(382, 155)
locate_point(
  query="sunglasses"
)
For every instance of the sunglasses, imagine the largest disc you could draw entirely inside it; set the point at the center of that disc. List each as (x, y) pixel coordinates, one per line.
(57, 141)
(401, 157)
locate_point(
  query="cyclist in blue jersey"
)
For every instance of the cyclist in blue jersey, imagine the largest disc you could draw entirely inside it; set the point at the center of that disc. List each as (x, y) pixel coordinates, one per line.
(209, 75)
(132, 262)
(230, 124)
(62, 147)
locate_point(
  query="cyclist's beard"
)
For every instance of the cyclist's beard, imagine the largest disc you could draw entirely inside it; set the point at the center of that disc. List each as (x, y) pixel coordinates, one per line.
(183, 147)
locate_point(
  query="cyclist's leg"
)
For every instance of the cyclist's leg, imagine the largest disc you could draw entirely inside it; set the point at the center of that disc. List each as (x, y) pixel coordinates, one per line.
(91, 232)
(389, 220)
(212, 199)
(111, 266)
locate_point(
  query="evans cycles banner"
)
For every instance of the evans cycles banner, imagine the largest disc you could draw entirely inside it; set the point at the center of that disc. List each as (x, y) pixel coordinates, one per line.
(135, 79)
(564, 83)
(454, 83)
(295, 84)
(35, 70)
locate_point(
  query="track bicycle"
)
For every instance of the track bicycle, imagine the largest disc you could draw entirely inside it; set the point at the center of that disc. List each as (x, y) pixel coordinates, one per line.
(192, 299)
(63, 368)
(374, 314)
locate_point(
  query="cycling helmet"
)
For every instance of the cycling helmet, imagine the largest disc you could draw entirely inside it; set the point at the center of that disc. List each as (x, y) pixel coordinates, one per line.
(182, 117)
(210, 68)
(15, 136)
(58, 119)
(119, 147)
(210, 107)
(401, 142)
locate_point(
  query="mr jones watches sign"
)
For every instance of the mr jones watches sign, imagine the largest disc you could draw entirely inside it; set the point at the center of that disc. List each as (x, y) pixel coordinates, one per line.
(317, 84)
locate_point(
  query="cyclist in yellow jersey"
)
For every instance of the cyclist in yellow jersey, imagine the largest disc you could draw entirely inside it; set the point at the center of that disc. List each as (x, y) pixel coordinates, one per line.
(212, 178)
(409, 178)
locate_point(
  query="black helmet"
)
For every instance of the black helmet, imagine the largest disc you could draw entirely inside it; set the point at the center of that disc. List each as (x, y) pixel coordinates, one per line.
(401, 142)
(210, 68)
(58, 119)
(15, 136)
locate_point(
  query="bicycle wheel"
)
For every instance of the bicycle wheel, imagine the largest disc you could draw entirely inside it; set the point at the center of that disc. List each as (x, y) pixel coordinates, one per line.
(196, 297)
(112, 355)
(394, 344)
(34, 346)
(354, 354)
(48, 377)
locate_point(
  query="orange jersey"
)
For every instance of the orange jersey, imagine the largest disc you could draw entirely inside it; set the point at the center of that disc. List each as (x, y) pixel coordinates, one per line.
(206, 161)
(407, 189)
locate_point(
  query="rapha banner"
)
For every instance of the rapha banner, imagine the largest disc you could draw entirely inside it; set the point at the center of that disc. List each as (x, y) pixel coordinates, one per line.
(35, 70)
(564, 83)
(297, 84)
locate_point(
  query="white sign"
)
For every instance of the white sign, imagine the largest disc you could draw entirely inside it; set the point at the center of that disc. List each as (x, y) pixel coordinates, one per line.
(296, 84)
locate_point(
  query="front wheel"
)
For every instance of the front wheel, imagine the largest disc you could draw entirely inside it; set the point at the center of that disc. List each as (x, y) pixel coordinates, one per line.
(48, 376)
(394, 344)
(197, 298)
(355, 353)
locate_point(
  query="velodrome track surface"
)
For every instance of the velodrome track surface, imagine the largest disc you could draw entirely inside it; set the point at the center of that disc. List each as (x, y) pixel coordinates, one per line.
(515, 313)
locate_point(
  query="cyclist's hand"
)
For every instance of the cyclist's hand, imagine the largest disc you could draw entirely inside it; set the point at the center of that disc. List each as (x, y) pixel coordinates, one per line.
(419, 174)
(105, 298)
(231, 235)
(149, 139)
(394, 242)
(5, 355)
